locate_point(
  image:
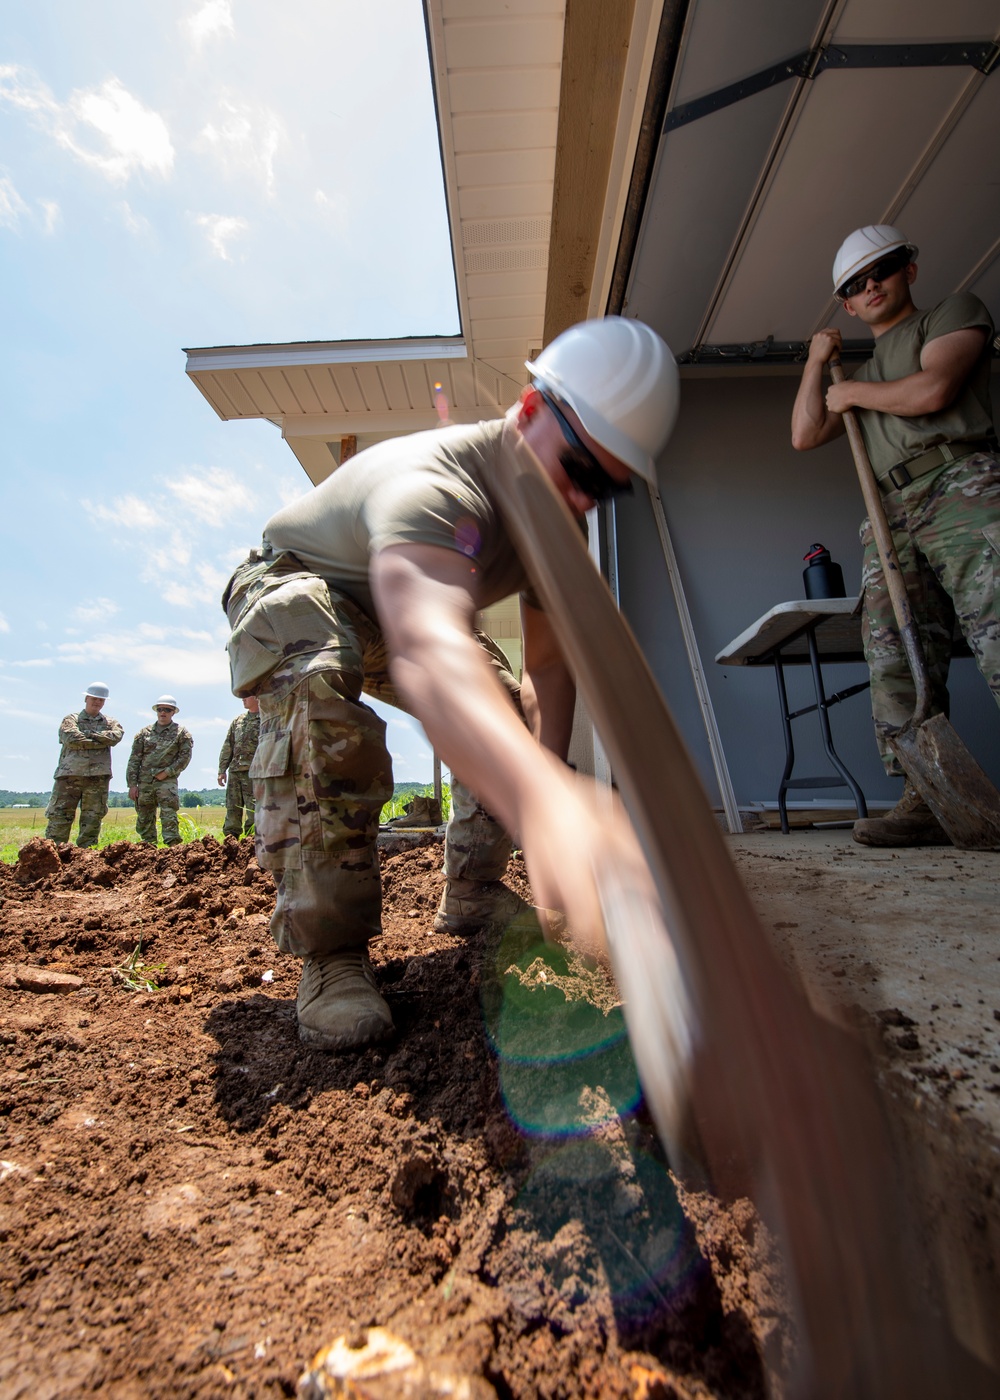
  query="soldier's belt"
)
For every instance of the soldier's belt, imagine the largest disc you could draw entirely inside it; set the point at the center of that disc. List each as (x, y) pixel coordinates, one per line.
(903, 473)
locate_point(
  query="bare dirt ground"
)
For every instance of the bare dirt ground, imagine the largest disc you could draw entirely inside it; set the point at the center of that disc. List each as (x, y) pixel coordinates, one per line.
(192, 1203)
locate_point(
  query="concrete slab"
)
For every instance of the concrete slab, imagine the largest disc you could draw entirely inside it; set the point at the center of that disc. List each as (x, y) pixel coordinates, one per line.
(905, 947)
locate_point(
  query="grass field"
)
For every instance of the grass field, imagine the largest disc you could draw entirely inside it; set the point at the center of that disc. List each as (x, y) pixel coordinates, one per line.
(19, 824)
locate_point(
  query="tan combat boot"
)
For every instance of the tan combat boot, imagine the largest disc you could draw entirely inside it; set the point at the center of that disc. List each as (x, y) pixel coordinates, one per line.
(910, 823)
(339, 1007)
(422, 811)
(470, 905)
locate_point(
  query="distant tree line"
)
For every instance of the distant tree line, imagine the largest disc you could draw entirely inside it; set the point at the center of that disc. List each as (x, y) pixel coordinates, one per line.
(206, 797)
(190, 797)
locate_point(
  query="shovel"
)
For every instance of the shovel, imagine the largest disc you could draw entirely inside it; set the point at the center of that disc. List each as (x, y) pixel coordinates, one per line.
(744, 1080)
(934, 758)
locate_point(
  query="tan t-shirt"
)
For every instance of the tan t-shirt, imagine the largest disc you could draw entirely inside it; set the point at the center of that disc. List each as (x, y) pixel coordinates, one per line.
(428, 488)
(891, 439)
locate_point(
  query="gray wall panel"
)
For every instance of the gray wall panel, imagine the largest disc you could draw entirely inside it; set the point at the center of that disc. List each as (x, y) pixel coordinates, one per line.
(743, 508)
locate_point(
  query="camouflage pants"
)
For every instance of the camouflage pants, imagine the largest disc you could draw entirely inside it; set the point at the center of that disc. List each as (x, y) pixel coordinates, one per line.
(239, 800)
(91, 794)
(322, 774)
(152, 795)
(946, 528)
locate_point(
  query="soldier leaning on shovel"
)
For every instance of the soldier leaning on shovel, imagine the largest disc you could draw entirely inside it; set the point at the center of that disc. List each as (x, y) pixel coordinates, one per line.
(381, 569)
(923, 404)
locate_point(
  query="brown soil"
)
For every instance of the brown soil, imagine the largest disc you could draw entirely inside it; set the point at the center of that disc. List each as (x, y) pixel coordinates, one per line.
(193, 1203)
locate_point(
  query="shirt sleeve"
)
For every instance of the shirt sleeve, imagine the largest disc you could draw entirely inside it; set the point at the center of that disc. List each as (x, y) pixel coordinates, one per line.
(422, 507)
(960, 312)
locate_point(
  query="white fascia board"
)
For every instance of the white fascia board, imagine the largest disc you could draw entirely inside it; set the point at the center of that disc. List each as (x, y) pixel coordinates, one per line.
(334, 425)
(339, 352)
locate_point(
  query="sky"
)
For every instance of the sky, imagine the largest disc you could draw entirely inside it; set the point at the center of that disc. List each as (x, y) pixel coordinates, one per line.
(177, 174)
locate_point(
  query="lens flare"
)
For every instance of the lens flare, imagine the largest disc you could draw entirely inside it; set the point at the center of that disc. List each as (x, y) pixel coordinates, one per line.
(556, 1044)
(441, 404)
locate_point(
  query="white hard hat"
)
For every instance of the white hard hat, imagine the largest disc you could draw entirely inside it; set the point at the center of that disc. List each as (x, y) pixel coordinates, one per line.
(864, 246)
(98, 690)
(165, 700)
(621, 381)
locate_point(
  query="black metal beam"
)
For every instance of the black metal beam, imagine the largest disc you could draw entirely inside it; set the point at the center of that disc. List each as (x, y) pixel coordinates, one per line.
(777, 352)
(983, 56)
(665, 56)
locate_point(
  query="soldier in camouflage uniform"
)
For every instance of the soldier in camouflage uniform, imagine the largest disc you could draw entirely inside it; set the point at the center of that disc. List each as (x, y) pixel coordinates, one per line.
(160, 752)
(83, 774)
(923, 405)
(236, 756)
(394, 554)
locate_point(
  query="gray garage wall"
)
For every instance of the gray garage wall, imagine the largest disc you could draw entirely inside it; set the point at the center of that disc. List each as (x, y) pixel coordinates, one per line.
(743, 508)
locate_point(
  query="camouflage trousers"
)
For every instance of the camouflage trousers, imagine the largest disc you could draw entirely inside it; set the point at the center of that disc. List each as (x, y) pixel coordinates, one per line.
(153, 795)
(239, 801)
(91, 795)
(322, 774)
(946, 528)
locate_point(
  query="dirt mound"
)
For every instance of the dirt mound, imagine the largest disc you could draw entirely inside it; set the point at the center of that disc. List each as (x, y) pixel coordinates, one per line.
(36, 859)
(194, 1203)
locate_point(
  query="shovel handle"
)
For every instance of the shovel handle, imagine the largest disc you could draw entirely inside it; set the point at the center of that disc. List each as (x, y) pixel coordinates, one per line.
(887, 554)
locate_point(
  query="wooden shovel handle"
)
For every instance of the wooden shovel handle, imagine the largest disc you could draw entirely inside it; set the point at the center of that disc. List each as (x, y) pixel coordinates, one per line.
(890, 559)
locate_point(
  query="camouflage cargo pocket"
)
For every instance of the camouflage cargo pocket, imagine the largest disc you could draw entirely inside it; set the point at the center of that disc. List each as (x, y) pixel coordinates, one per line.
(273, 756)
(250, 663)
(277, 837)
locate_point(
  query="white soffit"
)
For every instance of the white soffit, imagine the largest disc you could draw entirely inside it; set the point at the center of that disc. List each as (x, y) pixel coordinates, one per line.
(749, 202)
(496, 67)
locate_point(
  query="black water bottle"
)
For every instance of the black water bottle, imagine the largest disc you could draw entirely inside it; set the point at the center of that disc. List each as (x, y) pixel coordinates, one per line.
(822, 578)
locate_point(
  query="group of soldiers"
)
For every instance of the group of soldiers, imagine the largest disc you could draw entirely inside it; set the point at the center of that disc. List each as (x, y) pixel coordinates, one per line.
(160, 753)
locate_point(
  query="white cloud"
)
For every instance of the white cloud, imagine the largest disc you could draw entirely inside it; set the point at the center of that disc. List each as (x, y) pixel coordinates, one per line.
(52, 215)
(4, 624)
(127, 511)
(334, 209)
(245, 140)
(213, 494)
(163, 563)
(44, 661)
(12, 206)
(135, 223)
(31, 716)
(169, 665)
(100, 610)
(137, 137)
(213, 20)
(134, 137)
(220, 230)
(205, 587)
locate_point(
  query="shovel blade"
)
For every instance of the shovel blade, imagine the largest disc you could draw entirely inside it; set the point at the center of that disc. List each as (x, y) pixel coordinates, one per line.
(951, 782)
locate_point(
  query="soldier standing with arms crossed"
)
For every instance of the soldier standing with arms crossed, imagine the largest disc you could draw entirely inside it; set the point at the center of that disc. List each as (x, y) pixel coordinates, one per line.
(160, 752)
(923, 406)
(83, 774)
(237, 753)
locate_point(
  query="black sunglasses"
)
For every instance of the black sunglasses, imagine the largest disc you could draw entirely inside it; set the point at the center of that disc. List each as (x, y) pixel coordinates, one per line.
(885, 267)
(580, 464)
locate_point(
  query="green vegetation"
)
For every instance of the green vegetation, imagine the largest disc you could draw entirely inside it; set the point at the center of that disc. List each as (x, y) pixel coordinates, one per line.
(138, 976)
(190, 797)
(405, 792)
(18, 825)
